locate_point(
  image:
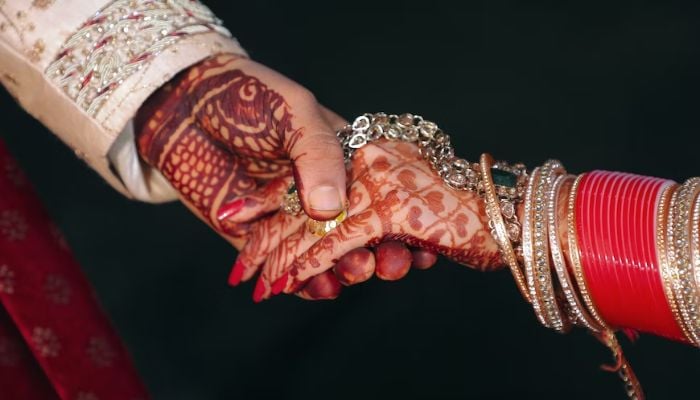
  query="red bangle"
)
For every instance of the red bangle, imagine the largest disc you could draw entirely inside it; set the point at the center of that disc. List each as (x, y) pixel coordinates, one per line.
(616, 227)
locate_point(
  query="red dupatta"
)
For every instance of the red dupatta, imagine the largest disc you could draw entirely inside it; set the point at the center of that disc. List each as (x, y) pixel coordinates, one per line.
(55, 340)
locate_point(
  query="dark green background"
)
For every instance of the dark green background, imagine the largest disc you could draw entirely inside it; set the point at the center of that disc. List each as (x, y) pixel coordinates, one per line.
(610, 86)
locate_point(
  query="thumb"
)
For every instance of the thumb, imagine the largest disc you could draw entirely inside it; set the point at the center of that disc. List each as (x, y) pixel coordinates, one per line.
(319, 171)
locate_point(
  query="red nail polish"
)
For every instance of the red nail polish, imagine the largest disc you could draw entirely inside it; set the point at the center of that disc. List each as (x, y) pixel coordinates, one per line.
(280, 284)
(259, 291)
(236, 274)
(230, 209)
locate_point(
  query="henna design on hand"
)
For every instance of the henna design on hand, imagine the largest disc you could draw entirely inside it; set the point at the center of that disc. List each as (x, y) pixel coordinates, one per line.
(216, 133)
(394, 195)
(223, 133)
(243, 114)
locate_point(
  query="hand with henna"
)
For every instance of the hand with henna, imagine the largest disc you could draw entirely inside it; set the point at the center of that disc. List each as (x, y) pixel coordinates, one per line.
(229, 134)
(396, 200)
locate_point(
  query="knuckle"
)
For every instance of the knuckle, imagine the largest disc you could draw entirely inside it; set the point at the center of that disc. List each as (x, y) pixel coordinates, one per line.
(304, 96)
(320, 147)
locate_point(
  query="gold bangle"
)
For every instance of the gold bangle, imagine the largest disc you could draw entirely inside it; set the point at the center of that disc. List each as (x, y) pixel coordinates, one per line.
(535, 252)
(666, 202)
(495, 212)
(576, 309)
(528, 253)
(542, 267)
(679, 258)
(689, 289)
(575, 258)
(695, 243)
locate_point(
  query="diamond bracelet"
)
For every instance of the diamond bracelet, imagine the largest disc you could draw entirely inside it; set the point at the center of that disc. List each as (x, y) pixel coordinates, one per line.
(435, 147)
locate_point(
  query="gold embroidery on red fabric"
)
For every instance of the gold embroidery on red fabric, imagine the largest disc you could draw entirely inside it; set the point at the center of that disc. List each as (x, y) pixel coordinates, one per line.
(101, 352)
(13, 225)
(45, 342)
(57, 289)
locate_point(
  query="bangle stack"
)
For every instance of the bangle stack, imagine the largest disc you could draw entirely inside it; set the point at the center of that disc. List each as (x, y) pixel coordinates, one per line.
(603, 250)
(536, 246)
(558, 281)
(631, 261)
(631, 253)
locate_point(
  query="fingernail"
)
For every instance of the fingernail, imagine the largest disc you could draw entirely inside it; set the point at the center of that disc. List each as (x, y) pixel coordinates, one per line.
(230, 209)
(325, 198)
(259, 291)
(236, 274)
(280, 284)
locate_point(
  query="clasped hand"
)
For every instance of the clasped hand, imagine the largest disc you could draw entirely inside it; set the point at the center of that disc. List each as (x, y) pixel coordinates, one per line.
(230, 135)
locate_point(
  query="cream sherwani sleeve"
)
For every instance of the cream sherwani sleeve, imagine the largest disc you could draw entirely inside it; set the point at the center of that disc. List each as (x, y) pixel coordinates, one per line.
(84, 67)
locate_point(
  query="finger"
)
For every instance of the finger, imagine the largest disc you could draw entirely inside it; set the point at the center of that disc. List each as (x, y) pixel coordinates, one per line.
(354, 232)
(204, 174)
(256, 112)
(423, 258)
(265, 237)
(283, 255)
(355, 267)
(257, 204)
(319, 170)
(321, 287)
(393, 260)
(278, 259)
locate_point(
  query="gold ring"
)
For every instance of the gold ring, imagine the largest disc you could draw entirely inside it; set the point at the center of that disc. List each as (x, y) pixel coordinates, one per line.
(292, 206)
(321, 228)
